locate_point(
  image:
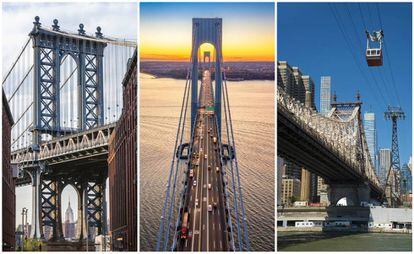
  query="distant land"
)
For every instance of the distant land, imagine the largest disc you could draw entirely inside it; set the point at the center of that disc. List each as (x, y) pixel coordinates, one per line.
(237, 71)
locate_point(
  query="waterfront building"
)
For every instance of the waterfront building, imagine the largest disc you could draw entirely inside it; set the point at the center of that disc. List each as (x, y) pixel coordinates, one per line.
(9, 174)
(371, 137)
(122, 164)
(322, 192)
(384, 163)
(390, 218)
(301, 87)
(280, 172)
(290, 190)
(325, 95)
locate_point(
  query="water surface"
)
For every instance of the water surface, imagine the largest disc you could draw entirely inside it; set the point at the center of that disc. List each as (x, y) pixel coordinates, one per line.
(323, 241)
(252, 106)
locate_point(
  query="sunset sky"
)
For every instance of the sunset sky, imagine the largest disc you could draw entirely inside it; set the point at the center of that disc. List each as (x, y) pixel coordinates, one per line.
(248, 30)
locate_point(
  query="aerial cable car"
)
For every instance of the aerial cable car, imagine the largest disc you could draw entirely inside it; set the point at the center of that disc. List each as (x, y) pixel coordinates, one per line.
(374, 55)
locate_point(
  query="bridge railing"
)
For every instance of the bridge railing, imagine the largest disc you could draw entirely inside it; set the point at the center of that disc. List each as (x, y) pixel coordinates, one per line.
(338, 137)
(86, 140)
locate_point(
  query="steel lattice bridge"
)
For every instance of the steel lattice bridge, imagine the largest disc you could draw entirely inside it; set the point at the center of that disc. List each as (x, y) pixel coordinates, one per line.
(65, 93)
(203, 207)
(333, 147)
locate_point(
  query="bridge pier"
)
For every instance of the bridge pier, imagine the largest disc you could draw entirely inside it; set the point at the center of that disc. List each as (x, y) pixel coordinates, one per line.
(35, 174)
(355, 193)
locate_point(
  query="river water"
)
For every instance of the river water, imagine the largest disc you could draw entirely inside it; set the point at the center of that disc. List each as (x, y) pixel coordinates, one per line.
(298, 241)
(252, 106)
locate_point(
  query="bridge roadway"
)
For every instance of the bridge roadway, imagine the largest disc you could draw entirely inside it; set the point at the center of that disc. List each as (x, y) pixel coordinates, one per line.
(207, 229)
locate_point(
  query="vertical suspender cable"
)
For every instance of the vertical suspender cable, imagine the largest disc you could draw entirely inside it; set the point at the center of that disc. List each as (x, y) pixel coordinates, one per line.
(161, 228)
(172, 202)
(240, 243)
(237, 169)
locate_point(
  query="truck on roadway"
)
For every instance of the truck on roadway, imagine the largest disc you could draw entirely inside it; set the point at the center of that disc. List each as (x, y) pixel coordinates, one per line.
(184, 226)
(214, 140)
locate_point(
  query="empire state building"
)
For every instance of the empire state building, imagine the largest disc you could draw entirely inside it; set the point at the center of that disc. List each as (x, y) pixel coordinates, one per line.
(69, 225)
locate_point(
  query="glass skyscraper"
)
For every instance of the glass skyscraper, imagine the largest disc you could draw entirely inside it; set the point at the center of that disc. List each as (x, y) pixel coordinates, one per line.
(325, 102)
(371, 136)
(384, 164)
(406, 180)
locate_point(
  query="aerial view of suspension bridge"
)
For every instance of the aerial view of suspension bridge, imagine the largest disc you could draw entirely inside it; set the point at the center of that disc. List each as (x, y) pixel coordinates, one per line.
(341, 183)
(63, 95)
(208, 194)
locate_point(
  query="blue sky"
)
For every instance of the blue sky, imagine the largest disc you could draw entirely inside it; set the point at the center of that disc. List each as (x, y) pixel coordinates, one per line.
(181, 11)
(309, 37)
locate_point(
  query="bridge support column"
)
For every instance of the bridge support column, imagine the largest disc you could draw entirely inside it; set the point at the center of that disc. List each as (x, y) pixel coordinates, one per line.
(50, 201)
(81, 227)
(355, 193)
(194, 88)
(218, 89)
(35, 174)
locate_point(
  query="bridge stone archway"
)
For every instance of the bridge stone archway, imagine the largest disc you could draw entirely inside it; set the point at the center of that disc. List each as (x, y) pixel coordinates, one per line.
(353, 192)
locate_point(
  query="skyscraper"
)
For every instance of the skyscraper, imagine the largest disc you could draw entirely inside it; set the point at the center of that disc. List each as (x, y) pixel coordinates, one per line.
(406, 180)
(325, 97)
(69, 225)
(371, 136)
(384, 163)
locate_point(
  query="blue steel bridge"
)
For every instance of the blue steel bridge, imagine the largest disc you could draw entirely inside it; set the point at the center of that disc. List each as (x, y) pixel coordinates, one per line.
(203, 206)
(64, 90)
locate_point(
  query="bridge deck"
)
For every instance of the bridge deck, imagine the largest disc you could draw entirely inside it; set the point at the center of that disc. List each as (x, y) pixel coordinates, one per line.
(207, 229)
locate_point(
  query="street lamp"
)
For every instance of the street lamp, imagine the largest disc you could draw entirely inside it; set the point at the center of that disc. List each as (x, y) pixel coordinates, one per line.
(24, 212)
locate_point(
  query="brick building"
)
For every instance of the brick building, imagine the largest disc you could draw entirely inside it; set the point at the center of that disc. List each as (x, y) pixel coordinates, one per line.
(8, 194)
(122, 162)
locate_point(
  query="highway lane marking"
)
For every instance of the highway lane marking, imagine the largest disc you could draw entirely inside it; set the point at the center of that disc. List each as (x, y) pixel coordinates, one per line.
(214, 244)
(219, 226)
(208, 158)
(196, 196)
(221, 244)
(213, 226)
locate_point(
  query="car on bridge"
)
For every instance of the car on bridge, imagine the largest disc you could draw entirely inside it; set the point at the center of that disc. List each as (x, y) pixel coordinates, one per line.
(195, 183)
(210, 208)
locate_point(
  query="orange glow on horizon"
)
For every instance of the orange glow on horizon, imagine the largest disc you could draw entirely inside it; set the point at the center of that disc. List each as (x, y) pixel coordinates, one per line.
(248, 45)
(259, 52)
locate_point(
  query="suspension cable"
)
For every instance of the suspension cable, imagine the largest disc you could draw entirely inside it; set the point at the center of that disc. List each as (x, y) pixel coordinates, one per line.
(246, 238)
(15, 62)
(161, 229)
(172, 202)
(232, 176)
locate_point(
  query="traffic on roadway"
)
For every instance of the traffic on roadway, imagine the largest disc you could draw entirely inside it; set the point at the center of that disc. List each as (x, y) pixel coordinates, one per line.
(203, 217)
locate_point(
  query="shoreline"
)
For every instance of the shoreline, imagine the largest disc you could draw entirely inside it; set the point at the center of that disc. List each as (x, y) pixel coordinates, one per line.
(343, 230)
(155, 76)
